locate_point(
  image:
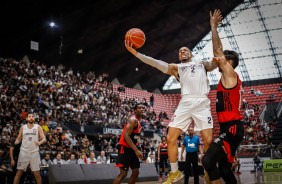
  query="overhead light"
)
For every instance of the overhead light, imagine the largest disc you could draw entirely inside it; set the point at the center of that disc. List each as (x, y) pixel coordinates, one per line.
(80, 51)
(52, 24)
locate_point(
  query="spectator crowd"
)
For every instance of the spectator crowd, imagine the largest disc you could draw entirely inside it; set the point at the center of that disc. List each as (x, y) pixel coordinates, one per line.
(57, 95)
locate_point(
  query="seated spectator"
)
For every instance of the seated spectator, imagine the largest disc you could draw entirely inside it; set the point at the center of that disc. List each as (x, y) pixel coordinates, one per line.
(83, 159)
(151, 158)
(52, 140)
(244, 104)
(7, 129)
(121, 88)
(45, 127)
(101, 159)
(58, 159)
(46, 160)
(152, 151)
(277, 153)
(5, 136)
(256, 107)
(77, 147)
(68, 134)
(280, 88)
(52, 124)
(73, 141)
(23, 114)
(72, 159)
(258, 93)
(257, 163)
(92, 159)
(252, 91)
(249, 112)
(85, 142)
(59, 128)
(91, 146)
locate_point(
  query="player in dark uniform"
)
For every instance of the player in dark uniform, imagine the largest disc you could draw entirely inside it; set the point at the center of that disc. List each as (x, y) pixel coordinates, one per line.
(14, 155)
(222, 150)
(128, 153)
(163, 157)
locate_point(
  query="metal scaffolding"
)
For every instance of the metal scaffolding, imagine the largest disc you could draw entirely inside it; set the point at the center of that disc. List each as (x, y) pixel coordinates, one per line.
(269, 41)
(235, 47)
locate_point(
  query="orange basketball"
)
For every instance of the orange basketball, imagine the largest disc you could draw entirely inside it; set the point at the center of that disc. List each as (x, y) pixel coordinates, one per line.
(136, 37)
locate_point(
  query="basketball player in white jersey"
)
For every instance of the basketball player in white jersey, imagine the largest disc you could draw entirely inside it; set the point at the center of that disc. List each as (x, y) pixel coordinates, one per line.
(29, 152)
(194, 103)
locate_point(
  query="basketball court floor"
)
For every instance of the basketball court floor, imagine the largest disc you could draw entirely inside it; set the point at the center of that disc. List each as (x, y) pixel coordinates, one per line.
(246, 177)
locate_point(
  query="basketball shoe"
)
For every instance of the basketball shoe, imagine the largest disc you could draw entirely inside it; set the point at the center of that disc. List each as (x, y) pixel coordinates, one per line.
(174, 177)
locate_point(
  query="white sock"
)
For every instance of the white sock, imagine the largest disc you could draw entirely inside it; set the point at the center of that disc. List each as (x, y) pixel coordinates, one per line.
(174, 166)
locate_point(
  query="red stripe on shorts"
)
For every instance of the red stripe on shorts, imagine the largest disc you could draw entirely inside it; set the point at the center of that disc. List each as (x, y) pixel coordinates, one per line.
(230, 158)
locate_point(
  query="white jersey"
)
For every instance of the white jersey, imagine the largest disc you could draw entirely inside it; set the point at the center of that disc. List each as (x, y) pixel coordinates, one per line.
(28, 138)
(193, 78)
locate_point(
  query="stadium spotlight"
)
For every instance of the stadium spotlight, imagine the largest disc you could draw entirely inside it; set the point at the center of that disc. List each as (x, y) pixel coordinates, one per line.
(52, 24)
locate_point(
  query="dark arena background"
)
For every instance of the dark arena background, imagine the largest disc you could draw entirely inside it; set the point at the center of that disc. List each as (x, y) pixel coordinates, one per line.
(67, 63)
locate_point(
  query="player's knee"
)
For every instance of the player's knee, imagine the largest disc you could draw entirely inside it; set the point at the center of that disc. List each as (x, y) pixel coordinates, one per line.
(171, 139)
(123, 174)
(19, 173)
(210, 167)
(36, 174)
(135, 173)
(208, 140)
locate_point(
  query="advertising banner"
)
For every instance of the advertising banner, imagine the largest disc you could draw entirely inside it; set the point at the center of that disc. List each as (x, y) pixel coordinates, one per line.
(272, 165)
(247, 164)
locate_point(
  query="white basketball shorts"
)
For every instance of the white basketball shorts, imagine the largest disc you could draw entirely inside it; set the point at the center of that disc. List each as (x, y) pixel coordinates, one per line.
(191, 108)
(32, 158)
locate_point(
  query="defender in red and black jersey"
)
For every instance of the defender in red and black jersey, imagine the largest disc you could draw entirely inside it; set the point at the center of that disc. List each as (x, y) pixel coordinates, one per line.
(128, 154)
(222, 150)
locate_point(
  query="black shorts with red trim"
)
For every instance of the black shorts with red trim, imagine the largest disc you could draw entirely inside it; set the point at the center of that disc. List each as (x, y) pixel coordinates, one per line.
(231, 135)
(127, 158)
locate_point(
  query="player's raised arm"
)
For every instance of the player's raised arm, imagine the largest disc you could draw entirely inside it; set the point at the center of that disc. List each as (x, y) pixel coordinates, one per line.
(159, 64)
(215, 19)
(210, 65)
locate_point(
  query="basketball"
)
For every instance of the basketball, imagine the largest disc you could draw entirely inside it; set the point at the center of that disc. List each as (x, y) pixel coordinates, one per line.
(136, 37)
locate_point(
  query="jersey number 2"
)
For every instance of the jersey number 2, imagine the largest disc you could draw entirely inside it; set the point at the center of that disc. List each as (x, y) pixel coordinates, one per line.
(209, 120)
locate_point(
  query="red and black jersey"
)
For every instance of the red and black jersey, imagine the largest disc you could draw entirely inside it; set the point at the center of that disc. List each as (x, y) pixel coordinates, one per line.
(163, 149)
(228, 102)
(135, 134)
